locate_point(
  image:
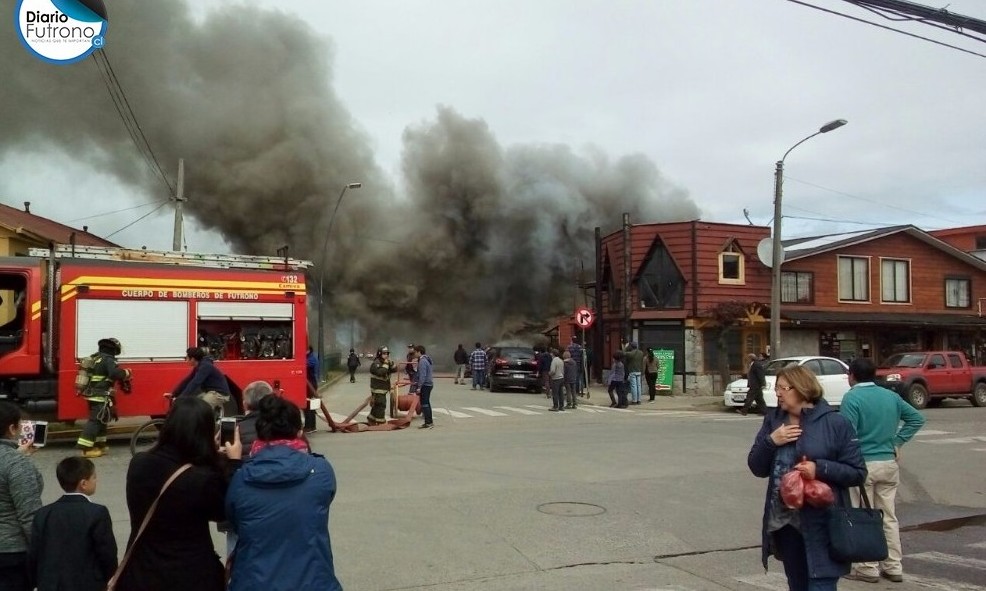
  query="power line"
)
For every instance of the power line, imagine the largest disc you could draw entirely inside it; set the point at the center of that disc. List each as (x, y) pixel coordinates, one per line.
(873, 201)
(99, 215)
(834, 221)
(864, 21)
(126, 113)
(138, 219)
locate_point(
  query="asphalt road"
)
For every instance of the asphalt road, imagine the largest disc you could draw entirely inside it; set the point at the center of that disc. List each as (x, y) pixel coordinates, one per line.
(503, 495)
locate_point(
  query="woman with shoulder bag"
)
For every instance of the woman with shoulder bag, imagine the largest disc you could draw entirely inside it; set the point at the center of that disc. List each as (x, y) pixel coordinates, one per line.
(805, 434)
(174, 551)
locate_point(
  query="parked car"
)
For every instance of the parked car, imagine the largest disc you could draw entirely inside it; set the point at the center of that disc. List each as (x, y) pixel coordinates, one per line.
(926, 378)
(832, 373)
(514, 367)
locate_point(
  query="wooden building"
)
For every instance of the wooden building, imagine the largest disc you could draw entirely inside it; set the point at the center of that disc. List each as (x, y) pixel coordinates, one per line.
(700, 289)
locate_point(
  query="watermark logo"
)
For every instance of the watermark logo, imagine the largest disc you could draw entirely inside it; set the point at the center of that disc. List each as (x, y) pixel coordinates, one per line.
(61, 31)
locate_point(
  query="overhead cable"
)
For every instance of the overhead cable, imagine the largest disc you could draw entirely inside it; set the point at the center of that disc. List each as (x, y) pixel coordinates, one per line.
(857, 19)
(138, 219)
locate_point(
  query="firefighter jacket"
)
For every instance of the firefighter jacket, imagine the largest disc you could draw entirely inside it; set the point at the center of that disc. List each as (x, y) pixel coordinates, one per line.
(380, 371)
(103, 374)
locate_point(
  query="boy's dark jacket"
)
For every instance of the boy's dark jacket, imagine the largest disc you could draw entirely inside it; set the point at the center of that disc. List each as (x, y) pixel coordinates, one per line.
(72, 546)
(829, 440)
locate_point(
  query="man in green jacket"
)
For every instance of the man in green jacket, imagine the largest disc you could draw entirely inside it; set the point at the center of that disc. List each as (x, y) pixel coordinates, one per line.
(884, 423)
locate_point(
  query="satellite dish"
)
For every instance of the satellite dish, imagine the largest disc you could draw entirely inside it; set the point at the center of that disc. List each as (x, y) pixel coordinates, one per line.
(765, 252)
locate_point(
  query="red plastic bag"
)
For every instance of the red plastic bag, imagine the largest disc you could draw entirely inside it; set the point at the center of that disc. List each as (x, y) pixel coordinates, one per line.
(793, 490)
(818, 494)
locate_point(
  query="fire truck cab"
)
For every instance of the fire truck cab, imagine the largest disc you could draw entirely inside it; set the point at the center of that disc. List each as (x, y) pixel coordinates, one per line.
(249, 312)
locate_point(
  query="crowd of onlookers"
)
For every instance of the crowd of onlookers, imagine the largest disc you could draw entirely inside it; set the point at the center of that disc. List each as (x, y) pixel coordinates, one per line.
(264, 484)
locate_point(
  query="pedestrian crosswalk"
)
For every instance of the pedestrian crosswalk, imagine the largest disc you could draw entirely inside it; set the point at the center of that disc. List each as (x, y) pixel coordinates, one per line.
(775, 581)
(933, 437)
(914, 577)
(533, 410)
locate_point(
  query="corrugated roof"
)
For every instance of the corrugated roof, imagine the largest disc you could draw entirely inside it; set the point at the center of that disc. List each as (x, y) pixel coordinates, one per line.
(44, 229)
(800, 248)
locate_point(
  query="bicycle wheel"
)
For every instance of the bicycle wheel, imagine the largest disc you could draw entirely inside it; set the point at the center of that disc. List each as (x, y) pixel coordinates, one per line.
(145, 436)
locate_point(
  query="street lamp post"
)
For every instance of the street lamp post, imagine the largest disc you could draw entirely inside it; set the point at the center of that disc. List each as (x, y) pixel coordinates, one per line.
(321, 277)
(776, 252)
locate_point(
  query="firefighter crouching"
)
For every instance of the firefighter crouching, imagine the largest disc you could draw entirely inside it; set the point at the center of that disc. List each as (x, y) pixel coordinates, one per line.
(95, 383)
(380, 371)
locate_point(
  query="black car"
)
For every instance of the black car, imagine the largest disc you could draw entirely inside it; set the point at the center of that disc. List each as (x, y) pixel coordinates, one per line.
(514, 367)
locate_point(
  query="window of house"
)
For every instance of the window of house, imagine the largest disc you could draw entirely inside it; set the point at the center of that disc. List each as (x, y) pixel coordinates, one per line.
(895, 280)
(854, 279)
(732, 268)
(796, 287)
(957, 292)
(981, 242)
(660, 284)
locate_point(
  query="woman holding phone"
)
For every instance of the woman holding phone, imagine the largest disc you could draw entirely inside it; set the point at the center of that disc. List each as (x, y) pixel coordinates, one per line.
(176, 551)
(20, 497)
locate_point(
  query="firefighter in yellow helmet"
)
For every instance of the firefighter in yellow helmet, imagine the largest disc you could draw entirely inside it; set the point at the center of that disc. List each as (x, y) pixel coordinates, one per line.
(380, 371)
(102, 372)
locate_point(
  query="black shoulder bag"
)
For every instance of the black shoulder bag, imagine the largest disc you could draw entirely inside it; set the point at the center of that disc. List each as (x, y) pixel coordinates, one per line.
(856, 533)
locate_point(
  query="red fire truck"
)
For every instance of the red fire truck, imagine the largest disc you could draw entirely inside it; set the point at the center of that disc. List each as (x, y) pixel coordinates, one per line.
(249, 311)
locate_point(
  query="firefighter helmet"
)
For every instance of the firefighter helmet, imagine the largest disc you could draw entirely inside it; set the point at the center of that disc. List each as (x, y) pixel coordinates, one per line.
(111, 345)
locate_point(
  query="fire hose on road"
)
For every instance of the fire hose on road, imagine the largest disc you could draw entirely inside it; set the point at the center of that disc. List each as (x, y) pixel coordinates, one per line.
(399, 403)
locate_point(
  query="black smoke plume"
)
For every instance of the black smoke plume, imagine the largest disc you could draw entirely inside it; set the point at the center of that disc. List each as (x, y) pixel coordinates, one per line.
(488, 240)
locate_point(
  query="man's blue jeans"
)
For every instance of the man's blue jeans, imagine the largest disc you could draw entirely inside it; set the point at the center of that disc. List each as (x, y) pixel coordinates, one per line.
(478, 378)
(425, 394)
(634, 387)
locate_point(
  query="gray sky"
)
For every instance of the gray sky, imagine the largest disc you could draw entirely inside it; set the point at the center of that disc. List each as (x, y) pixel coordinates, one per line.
(712, 91)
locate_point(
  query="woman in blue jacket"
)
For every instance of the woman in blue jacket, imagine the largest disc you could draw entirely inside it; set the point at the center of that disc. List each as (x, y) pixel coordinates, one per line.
(278, 505)
(804, 434)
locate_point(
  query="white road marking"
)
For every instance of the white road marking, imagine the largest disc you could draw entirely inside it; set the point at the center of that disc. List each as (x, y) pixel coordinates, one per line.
(586, 409)
(950, 559)
(485, 411)
(774, 581)
(522, 411)
(940, 584)
(981, 545)
(924, 433)
(452, 413)
(973, 439)
(737, 419)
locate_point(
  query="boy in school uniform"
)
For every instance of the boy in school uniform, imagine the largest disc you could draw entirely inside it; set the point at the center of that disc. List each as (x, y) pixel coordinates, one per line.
(72, 544)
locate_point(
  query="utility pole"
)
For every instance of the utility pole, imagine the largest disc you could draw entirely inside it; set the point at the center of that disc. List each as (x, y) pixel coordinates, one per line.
(627, 296)
(179, 202)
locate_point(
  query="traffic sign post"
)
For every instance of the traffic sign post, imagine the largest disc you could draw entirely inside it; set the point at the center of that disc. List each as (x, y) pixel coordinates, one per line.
(584, 318)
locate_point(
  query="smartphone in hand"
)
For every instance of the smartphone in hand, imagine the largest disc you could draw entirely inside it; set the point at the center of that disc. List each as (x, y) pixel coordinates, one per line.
(34, 433)
(227, 430)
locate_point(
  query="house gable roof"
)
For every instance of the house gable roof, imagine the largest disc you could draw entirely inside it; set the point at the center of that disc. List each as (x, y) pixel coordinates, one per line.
(800, 248)
(45, 230)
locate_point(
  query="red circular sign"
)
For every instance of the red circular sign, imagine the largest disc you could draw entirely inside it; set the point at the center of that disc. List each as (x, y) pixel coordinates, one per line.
(584, 317)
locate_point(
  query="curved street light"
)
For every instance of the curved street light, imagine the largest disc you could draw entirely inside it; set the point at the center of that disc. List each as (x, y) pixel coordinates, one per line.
(321, 277)
(776, 252)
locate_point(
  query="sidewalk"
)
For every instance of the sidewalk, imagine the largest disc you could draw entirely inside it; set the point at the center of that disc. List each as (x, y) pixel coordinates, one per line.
(599, 397)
